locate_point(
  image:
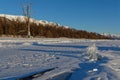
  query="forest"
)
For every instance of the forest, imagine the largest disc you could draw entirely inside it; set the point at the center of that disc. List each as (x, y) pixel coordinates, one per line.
(17, 28)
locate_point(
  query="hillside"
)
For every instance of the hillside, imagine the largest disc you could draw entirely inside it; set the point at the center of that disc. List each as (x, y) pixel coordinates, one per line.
(113, 36)
(11, 25)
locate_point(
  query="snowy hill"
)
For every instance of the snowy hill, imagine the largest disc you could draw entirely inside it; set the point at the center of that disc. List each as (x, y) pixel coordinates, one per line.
(113, 36)
(22, 19)
(16, 26)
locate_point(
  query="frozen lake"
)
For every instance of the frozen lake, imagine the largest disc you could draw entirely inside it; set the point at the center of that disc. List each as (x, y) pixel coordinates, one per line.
(21, 56)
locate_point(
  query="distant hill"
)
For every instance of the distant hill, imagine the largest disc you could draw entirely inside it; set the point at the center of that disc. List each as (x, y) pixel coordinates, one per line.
(112, 36)
(11, 25)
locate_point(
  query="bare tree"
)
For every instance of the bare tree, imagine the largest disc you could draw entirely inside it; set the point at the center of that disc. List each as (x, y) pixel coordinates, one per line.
(26, 13)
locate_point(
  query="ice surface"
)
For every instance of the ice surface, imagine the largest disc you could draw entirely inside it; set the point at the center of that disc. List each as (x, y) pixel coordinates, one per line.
(19, 56)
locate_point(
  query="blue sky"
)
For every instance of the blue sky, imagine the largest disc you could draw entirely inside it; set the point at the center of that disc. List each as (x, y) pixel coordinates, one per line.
(102, 16)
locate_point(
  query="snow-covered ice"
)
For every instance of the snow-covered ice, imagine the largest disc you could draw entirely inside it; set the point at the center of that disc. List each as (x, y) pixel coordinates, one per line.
(19, 56)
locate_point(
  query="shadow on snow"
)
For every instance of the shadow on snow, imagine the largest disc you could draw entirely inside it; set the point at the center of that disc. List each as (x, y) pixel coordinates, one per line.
(109, 48)
(93, 71)
(52, 49)
(60, 45)
(86, 68)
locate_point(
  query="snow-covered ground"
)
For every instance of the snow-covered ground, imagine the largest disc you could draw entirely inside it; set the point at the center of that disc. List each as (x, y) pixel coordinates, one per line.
(20, 57)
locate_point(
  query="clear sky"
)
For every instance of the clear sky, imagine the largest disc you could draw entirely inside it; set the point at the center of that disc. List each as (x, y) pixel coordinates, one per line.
(102, 16)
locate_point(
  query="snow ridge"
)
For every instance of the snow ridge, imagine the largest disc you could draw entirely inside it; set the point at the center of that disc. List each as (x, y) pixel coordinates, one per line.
(114, 36)
(23, 19)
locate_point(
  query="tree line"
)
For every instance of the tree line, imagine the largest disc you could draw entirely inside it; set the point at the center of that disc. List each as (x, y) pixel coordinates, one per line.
(16, 27)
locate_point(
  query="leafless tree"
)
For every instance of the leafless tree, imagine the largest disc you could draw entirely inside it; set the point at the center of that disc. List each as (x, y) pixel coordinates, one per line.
(26, 13)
